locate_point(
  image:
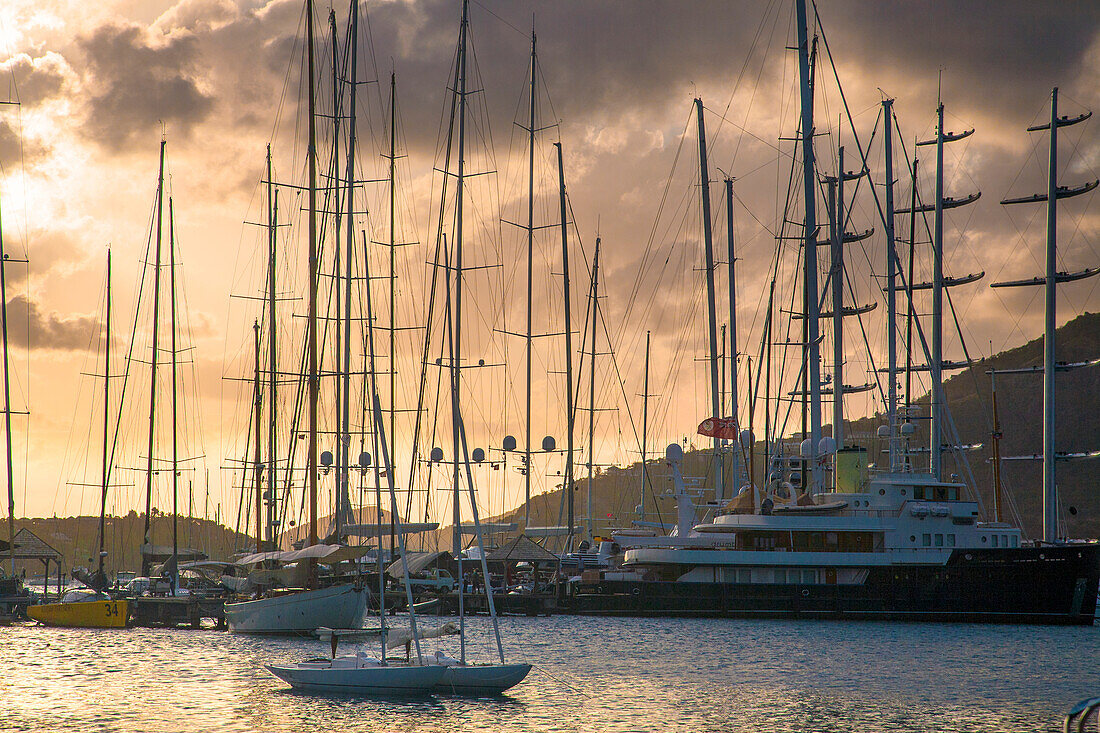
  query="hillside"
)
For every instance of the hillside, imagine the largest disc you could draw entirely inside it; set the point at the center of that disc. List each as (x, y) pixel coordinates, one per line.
(77, 539)
(616, 491)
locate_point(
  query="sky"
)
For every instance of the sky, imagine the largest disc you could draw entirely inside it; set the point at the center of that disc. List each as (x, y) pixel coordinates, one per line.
(100, 84)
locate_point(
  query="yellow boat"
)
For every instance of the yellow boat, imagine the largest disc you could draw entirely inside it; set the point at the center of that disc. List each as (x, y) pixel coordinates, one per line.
(104, 613)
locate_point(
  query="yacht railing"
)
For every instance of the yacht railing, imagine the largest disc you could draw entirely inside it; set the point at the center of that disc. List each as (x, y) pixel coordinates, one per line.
(1081, 714)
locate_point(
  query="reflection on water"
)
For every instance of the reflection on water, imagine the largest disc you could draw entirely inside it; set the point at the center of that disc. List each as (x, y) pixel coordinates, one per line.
(601, 675)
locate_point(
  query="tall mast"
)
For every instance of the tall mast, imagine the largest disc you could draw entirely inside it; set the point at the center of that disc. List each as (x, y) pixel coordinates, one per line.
(393, 262)
(836, 268)
(175, 384)
(530, 276)
(146, 544)
(257, 417)
(712, 319)
(311, 155)
(106, 425)
(911, 313)
(939, 282)
(735, 472)
(935, 368)
(272, 367)
(1050, 293)
(456, 333)
(344, 467)
(341, 448)
(592, 381)
(891, 290)
(810, 347)
(645, 429)
(567, 482)
(1049, 282)
(7, 407)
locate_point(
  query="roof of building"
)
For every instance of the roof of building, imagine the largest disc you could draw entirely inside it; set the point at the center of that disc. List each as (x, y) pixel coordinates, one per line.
(522, 549)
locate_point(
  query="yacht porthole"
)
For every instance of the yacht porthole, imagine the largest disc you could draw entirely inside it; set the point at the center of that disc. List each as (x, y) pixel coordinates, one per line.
(903, 492)
(1042, 556)
(805, 592)
(969, 556)
(912, 538)
(984, 538)
(882, 492)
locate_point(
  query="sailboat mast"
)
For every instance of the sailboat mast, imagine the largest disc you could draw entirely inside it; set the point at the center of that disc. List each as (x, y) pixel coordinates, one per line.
(592, 381)
(528, 346)
(837, 269)
(567, 482)
(1050, 489)
(712, 319)
(175, 384)
(811, 347)
(393, 265)
(911, 313)
(272, 367)
(146, 544)
(645, 429)
(7, 405)
(106, 424)
(257, 417)
(344, 468)
(731, 265)
(456, 332)
(891, 290)
(935, 368)
(338, 340)
(311, 323)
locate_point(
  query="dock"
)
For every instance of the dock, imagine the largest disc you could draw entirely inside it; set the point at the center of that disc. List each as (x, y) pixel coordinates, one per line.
(169, 611)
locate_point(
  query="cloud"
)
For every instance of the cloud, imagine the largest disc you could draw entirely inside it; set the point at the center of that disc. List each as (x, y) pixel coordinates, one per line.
(136, 81)
(49, 331)
(37, 79)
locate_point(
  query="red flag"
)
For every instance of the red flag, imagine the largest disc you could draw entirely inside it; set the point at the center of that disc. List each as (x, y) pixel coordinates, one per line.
(724, 428)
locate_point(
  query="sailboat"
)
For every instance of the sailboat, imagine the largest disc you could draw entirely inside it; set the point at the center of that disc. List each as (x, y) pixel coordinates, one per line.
(361, 673)
(462, 676)
(92, 608)
(338, 606)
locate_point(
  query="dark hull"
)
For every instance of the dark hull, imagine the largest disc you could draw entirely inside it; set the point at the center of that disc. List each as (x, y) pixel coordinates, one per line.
(1031, 585)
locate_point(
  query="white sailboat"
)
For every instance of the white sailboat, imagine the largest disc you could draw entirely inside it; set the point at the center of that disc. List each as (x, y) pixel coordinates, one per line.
(462, 676)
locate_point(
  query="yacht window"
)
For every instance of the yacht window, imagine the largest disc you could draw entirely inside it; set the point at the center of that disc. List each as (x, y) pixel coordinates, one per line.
(809, 577)
(794, 577)
(994, 540)
(926, 540)
(939, 540)
(1015, 541)
(744, 575)
(950, 540)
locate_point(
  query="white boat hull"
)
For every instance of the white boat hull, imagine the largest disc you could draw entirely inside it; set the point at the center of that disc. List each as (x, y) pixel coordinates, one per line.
(394, 680)
(338, 607)
(481, 679)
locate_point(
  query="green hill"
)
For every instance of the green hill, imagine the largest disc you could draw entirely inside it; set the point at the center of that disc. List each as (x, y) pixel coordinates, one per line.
(616, 491)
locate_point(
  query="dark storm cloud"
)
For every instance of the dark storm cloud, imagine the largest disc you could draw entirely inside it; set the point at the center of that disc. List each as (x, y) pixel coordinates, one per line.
(136, 83)
(49, 331)
(36, 80)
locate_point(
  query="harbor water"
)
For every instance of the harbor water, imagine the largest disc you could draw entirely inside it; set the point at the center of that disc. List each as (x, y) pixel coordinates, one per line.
(596, 674)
